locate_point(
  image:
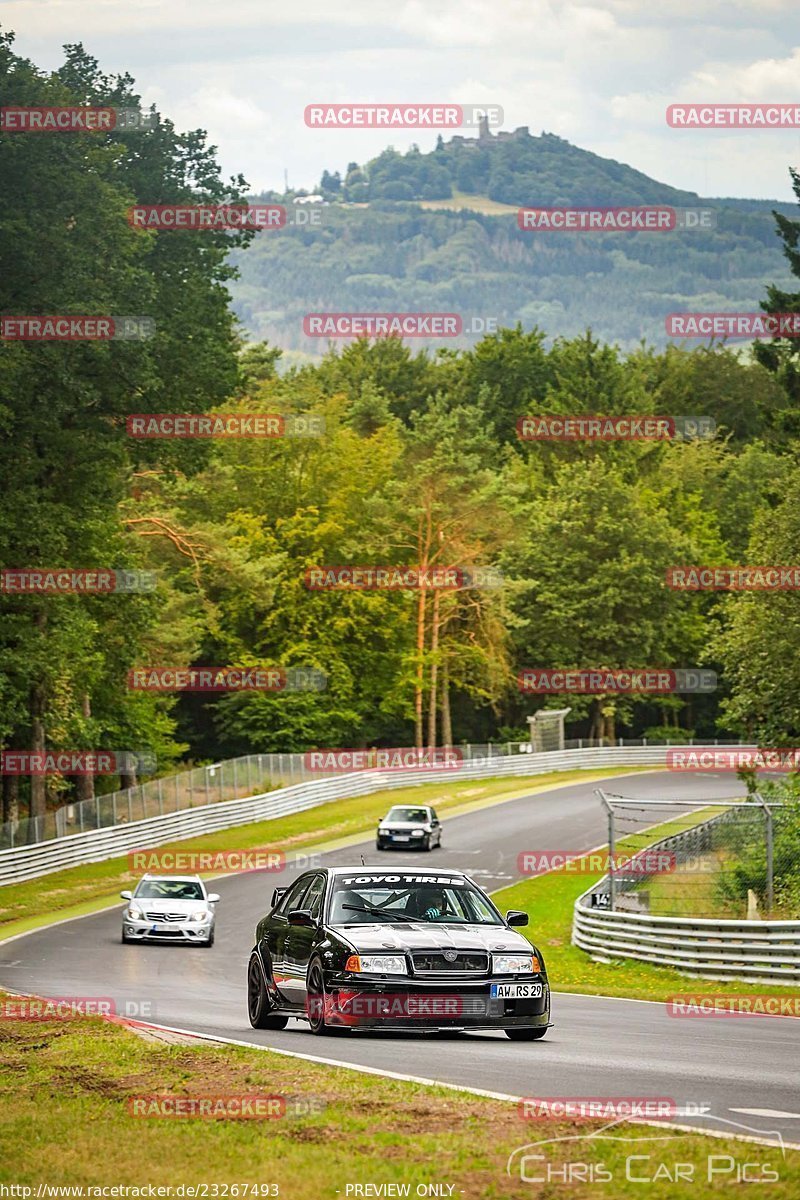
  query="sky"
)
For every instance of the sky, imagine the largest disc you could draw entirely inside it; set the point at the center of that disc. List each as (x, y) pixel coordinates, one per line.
(599, 73)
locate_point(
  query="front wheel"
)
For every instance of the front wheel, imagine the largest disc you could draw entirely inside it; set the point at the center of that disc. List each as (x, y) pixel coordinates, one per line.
(526, 1035)
(259, 1007)
(316, 1000)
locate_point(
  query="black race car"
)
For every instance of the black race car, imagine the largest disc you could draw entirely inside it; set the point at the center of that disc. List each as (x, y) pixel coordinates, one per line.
(385, 948)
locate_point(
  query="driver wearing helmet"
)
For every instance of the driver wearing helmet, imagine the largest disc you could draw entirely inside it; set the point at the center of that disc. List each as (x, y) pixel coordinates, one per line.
(432, 903)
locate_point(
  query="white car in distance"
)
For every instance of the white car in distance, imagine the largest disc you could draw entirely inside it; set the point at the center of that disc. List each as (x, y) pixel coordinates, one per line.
(170, 908)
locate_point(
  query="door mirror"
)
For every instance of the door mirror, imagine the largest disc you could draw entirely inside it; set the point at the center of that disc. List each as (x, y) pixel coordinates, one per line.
(514, 917)
(300, 916)
(213, 897)
(277, 895)
(126, 896)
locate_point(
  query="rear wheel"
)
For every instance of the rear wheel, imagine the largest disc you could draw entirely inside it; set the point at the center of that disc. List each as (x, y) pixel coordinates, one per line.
(526, 1035)
(260, 1009)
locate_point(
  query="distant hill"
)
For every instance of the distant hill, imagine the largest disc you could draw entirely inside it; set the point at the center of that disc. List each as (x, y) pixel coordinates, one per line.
(430, 232)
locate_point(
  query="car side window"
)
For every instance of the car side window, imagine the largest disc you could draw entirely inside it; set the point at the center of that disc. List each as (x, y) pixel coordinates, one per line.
(433, 815)
(295, 894)
(312, 901)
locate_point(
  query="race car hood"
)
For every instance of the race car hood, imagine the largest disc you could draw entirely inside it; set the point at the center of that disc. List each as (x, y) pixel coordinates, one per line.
(429, 935)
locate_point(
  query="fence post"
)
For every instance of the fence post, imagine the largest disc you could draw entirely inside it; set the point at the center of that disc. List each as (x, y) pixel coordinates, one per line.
(611, 847)
(160, 797)
(250, 775)
(130, 806)
(770, 853)
(235, 780)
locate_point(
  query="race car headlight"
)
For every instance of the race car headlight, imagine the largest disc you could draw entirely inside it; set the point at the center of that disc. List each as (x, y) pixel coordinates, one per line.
(515, 964)
(376, 964)
(199, 915)
(417, 832)
(134, 914)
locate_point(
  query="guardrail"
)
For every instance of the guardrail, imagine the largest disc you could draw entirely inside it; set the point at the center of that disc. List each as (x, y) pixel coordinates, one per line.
(705, 947)
(97, 845)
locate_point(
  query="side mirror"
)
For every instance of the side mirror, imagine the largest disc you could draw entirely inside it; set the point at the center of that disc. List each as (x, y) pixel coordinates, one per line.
(277, 895)
(213, 897)
(514, 917)
(126, 895)
(300, 916)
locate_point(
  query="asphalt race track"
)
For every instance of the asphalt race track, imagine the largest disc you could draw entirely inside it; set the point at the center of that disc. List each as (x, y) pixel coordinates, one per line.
(599, 1046)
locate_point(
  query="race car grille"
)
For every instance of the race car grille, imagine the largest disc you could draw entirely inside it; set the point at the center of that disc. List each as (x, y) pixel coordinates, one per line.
(162, 916)
(466, 962)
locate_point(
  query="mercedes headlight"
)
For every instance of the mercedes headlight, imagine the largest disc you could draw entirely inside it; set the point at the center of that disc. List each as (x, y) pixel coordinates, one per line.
(134, 914)
(514, 964)
(377, 964)
(200, 914)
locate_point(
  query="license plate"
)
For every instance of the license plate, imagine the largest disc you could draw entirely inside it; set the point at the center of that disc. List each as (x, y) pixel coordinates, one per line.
(401, 837)
(515, 991)
(158, 928)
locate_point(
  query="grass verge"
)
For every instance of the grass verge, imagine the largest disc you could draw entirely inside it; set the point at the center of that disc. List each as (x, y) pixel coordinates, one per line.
(65, 1120)
(83, 889)
(549, 900)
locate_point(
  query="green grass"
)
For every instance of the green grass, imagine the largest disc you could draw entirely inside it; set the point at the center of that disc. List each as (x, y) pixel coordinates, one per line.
(66, 1086)
(83, 889)
(549, 900)
(464, 200)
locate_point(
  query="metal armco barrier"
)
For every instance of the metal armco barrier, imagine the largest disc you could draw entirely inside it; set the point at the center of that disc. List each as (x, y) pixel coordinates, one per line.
(706, 947)
(97, 845)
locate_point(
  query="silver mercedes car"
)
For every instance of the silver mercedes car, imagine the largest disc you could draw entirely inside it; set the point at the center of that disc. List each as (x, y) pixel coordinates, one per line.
(170, 908)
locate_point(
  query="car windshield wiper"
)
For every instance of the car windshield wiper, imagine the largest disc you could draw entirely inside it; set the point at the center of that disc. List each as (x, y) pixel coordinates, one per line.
(373, 908)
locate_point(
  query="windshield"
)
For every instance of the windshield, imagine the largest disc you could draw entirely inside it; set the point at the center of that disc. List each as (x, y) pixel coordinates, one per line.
(398, 813)
(383, 901)
(169, 889)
